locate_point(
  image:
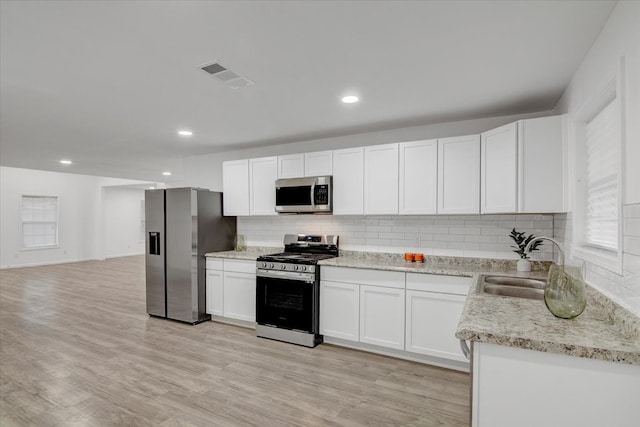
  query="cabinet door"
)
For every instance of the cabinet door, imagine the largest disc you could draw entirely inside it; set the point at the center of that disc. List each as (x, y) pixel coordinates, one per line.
(459, 175)
(541, 148)
(235, 186)
(239, 296)
(382, 316)
(291, 166)
(263, 173)
(318, 163)
(499, 170)
(432, 319)
(339, 310)
(418, 177)
(381, 179)
(215, 292)
(348, 181)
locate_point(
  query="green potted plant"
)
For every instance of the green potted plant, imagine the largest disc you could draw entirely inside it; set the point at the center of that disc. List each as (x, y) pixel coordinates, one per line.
(522, 240)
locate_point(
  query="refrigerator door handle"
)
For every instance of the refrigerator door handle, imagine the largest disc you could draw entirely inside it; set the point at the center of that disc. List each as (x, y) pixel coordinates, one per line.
(154, 243)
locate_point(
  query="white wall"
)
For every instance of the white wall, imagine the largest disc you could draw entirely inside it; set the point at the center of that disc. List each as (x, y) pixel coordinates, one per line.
(123, 215)
(620, 37)
(80, 215)
(206, 170)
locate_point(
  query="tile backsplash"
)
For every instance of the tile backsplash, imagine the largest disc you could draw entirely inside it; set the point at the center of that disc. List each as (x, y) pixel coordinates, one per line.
(485, 236)
(625, 289)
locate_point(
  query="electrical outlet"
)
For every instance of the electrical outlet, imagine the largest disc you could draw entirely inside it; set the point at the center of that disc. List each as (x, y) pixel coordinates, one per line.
(416, 240)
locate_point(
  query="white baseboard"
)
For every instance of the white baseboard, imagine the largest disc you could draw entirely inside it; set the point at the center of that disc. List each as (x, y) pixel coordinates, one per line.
(39, 264)
(429, 360)
(124, 255)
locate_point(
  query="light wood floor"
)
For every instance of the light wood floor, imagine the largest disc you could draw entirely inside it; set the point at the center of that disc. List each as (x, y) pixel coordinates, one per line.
(77, 348)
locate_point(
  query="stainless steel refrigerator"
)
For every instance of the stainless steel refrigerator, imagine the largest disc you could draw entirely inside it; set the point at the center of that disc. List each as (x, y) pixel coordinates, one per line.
(182, 224)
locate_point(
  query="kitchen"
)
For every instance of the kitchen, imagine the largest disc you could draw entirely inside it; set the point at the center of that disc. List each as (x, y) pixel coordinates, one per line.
(618, 38)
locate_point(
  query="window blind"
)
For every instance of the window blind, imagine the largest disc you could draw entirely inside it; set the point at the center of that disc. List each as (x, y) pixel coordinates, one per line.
(39, 221)
(603, 145)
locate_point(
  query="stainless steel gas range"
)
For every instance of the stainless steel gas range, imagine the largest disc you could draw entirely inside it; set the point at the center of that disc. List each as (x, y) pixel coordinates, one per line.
(288, 289)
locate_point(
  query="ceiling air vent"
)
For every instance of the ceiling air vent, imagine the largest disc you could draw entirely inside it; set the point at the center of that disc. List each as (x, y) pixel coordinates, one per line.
(227, 77)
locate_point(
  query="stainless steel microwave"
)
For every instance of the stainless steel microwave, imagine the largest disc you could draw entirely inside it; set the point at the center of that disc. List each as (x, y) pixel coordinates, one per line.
(304, 195)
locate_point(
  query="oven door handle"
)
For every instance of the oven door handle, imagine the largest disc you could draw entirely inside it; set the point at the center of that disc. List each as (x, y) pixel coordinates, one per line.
(287, 275)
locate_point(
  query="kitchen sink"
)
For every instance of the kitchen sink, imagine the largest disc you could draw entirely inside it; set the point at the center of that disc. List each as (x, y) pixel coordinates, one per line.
(518, 287)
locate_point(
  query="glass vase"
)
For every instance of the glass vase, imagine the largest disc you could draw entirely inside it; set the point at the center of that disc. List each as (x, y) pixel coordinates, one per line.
(565, 294)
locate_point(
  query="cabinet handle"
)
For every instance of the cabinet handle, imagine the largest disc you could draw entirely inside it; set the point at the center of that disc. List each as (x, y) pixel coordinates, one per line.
(465, 349)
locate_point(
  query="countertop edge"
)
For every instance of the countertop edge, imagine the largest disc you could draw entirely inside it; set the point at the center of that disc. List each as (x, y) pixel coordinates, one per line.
(616, 356)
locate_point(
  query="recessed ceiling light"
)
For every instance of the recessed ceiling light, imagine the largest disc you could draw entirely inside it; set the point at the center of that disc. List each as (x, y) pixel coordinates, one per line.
(349, 99)
(185, 133)
(66, 162)
(166, 173)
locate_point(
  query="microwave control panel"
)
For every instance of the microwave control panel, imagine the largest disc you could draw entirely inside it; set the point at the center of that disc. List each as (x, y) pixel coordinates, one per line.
(321, 194)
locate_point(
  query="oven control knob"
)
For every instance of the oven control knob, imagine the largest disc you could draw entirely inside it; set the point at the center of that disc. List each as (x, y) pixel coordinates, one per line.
(263, 264)
(303, 267)
(283, 266)
(271, 265)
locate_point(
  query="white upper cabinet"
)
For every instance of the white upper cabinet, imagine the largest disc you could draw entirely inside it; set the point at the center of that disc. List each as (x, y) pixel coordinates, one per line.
(263, 173)
(418, 177)
(381, 179)
(235, 186)
(459, 175)
(348, 181)
(319, 163)
(499, 169)
(523, 167)
(541, 148)
(291, 166)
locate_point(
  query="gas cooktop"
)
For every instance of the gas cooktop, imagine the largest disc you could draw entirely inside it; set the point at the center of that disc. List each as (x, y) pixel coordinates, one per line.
(303, 249)
(295, 258)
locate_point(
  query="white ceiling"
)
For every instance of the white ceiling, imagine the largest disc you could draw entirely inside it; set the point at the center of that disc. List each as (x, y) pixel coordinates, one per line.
(108, 84)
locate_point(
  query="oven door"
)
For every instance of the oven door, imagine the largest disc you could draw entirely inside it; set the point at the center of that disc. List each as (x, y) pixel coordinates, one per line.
(287, 303)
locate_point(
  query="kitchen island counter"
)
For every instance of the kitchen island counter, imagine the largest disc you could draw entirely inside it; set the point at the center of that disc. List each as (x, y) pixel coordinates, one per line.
(604, 331)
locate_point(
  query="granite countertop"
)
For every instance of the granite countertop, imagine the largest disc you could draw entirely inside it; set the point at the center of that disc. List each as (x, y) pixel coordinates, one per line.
(603, 331)
(450, 266)
(249, 254)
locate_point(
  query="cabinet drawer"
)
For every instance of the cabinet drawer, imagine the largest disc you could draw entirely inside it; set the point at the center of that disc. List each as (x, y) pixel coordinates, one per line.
(456, 285)
(361, 276)
(240, 266)
(214, 263)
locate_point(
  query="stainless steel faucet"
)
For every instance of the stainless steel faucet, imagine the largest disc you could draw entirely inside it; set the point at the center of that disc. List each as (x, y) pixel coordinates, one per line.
(526, 249)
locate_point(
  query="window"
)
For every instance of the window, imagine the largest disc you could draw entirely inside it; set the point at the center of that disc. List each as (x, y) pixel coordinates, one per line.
(39, 215)
(599, 140)
(603, 156)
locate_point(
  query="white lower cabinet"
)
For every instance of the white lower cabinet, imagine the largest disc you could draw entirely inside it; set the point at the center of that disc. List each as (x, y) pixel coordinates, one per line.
(231, 288)
(432, 319)
(382, 316)
(340, 310)
(240, 296)
(433, 306)
(215, 292)
(413, 314)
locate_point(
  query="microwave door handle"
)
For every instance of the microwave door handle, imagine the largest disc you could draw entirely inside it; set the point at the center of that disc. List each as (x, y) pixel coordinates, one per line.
(313, 196)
